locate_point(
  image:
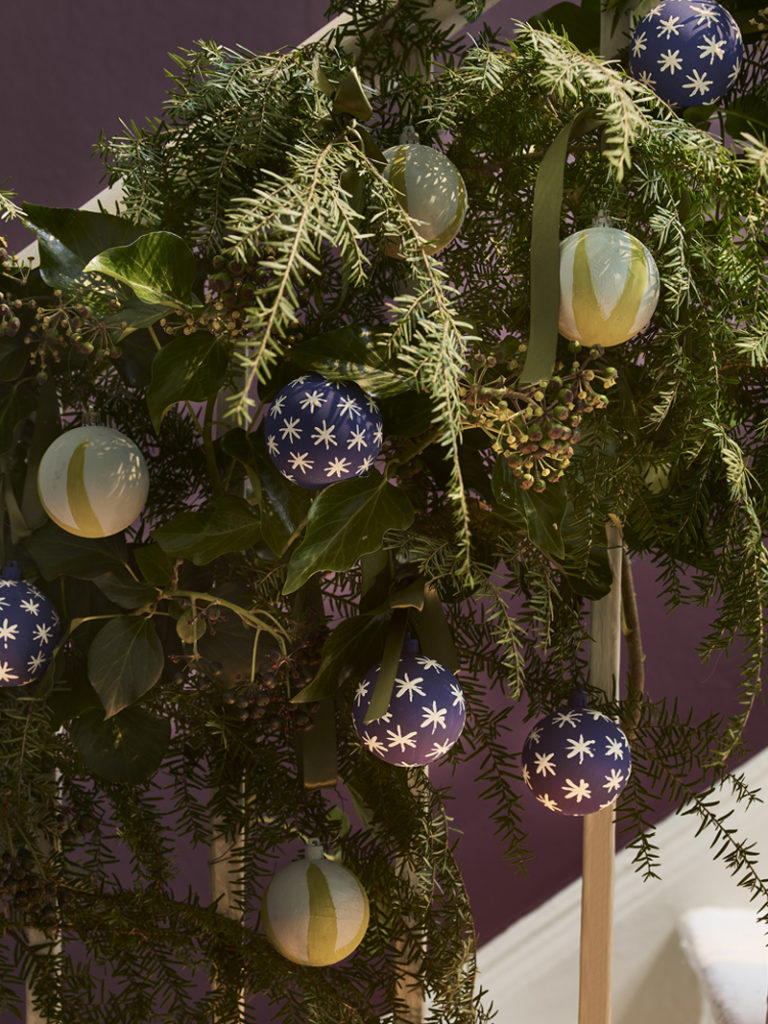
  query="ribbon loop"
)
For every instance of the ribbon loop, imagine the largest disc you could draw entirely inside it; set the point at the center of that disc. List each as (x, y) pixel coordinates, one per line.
(545, 250)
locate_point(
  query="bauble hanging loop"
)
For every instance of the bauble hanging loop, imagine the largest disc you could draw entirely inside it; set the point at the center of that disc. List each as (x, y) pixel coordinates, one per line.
(425, 718)
(93, 481)
(609, 286)
(315, 912)
(576, 760)
(430, 190)
(319, 431)
(688, 51)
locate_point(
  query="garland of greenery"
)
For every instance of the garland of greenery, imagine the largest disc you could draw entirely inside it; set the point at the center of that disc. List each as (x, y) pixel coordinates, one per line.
(236, 262)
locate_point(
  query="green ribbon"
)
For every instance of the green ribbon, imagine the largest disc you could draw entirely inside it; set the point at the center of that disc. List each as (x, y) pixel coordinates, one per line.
(433, 631)
(318, 748)
(390, 659)
(545, 250)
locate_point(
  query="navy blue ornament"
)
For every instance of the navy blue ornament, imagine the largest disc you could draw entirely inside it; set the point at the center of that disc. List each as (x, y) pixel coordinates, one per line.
(577, 760)
(29, 631)
(688, 51)
(318, 431)
(425, 718)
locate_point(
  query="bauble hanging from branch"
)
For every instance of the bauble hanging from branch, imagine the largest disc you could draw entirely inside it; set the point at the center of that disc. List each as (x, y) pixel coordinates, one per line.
(576, 760)
(93, 481)
(426, 713)
(430, 190)
(609, 286)
(688, 51)
(319, 431)
(315, 911)
(29, 630)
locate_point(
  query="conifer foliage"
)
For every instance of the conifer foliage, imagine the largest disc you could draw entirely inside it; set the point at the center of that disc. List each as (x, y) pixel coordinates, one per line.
(210, 654)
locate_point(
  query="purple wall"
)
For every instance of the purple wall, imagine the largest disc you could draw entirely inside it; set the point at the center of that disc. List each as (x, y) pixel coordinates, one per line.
(70, 70)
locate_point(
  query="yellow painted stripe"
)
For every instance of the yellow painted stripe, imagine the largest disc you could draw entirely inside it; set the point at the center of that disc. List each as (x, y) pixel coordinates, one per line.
(321, 941)
(397, 177)
(593, 326)
(85, 518)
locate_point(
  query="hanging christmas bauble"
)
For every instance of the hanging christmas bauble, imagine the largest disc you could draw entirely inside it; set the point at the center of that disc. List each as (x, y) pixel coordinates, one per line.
(609, 286)
(93, 481)
(426, 713)
(315, 912)
(576, 760)
(29, 631)
(318, 431)
(688, 51)
(430, 190)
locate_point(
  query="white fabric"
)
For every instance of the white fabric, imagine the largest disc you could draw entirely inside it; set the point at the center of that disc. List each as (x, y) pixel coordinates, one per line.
(728, 950)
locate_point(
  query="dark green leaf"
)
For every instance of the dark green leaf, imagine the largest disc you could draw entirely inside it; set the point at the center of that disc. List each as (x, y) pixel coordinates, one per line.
(581, 23)
(132, 316)
(350, 97)
(189, 368)
(68, 239)
(124, 591)
(70, 698)
(14, 356)
(348, 651)
(540, 515)
(124, 662)
(227, 524)
(352, 353)
(154, 565)
(58, 553)
(159, 267)
(347, 520)
(283, 505)
(127, 748)
(17, 402)
(406, 415)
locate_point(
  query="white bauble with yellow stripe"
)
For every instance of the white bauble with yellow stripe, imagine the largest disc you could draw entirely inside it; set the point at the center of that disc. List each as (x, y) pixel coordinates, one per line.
(93, 481)
(430, 190)
(315, 912)
(609, 286)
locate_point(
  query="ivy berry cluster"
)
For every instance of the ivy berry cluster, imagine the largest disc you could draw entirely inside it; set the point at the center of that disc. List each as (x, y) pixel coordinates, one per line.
(535, 427)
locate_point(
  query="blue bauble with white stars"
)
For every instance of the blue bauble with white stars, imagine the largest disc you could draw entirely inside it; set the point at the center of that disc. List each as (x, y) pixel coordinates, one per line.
(577, 760)
(318, 431)
(426, 713)
(29, 632)
(688, 51)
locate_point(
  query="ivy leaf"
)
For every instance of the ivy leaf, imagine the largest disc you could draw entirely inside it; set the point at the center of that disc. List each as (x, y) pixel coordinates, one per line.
(124, 662)
(347, 520)
(539, 515)
(154, 565)
(127, 748)
(159, 267)
(68, 239)
(227, 524)
(349, 650)
(58, 553)
(189, 368)
(283, 505)
(352, 353)
(17, 402)
(14, 356)
(124, 591)
(132, 316)
(406, 415)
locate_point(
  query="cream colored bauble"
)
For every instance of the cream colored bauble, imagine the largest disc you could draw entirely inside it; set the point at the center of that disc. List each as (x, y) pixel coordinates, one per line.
(93, 481)
(315, 912)
(430, 190)
(609, 286)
